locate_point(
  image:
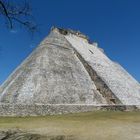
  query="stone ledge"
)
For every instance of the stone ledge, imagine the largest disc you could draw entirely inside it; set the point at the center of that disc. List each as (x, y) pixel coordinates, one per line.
(51, 109)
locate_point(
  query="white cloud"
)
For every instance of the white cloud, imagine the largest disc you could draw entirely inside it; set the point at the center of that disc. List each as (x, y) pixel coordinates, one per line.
(13, 31)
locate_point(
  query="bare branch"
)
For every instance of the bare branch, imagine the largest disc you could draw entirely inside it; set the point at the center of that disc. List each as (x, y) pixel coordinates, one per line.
(16, 13)
(6, 13)
(30, 26)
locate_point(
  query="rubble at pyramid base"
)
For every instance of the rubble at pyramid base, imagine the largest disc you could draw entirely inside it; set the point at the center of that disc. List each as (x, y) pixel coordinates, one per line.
(42, 110)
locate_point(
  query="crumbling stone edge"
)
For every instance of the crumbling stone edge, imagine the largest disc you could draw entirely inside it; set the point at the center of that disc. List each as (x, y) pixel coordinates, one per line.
(54, 109)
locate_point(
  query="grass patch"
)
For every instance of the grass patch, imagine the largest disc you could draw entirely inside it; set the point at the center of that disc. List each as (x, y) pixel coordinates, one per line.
(98, 125)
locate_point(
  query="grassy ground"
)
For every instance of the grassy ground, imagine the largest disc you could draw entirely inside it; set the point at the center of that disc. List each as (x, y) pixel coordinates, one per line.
(82, 126)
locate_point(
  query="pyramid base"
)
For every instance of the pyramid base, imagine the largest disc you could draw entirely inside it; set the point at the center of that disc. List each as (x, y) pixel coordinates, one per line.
(51, 109)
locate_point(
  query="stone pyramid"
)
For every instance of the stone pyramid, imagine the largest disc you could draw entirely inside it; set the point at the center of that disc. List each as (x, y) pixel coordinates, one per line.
(66, 73)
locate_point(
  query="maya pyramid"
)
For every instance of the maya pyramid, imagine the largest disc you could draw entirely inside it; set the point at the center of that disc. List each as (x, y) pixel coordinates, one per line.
(66, 73)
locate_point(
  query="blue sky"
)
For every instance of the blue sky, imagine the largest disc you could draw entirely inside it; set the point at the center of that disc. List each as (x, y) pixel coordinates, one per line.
(114, 24)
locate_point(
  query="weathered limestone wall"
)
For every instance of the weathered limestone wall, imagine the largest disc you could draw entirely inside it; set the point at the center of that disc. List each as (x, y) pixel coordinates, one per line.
(125, 88)
(52, 74)
(53, 109)
(68, 74)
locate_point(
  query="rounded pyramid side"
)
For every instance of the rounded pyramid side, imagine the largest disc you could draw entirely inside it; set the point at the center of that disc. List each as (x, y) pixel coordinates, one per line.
(52, 74)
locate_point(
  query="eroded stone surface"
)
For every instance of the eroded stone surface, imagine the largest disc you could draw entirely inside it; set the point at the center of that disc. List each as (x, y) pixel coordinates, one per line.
(122, 85)
(66, 69)
(52, 74)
